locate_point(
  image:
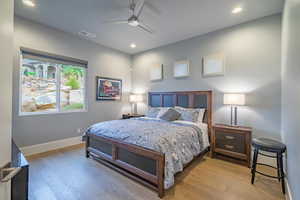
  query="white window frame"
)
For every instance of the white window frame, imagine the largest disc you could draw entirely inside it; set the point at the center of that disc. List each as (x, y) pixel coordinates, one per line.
(58, 86)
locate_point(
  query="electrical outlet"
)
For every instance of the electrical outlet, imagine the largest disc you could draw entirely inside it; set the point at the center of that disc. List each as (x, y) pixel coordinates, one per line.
(79, 130)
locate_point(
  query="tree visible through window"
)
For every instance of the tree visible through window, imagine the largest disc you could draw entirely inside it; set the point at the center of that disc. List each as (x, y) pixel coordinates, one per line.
(51, 86)
(72, 90)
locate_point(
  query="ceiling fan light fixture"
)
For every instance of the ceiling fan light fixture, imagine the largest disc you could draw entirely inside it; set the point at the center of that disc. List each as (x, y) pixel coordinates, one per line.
(133, 23)
(134, 18)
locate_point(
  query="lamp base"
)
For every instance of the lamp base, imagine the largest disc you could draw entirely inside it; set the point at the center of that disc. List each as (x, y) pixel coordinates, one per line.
(134, 109)
(233, 120)
(232, 125)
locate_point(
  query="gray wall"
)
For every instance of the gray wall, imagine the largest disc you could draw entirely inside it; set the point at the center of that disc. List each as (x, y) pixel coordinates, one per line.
(291, 92)
(253, 66)
(6, 66)
(103, 61)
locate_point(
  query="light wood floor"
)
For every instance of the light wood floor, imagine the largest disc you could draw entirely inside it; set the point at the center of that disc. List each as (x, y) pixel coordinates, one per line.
(67, 175)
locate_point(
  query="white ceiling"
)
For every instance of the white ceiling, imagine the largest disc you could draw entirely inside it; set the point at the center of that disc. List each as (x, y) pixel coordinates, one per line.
(172, 20)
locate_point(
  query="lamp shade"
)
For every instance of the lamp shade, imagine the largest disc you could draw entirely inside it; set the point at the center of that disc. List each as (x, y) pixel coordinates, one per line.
(234, 99)
(135, 98)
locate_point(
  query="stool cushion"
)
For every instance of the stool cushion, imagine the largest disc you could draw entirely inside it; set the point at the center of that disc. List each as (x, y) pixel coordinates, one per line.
(267, 144)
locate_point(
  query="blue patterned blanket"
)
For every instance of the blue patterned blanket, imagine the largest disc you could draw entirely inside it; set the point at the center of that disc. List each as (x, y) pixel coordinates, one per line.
(179, 142)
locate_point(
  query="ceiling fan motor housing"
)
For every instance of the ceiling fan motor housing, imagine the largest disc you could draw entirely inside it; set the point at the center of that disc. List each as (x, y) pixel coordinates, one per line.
(133, 21)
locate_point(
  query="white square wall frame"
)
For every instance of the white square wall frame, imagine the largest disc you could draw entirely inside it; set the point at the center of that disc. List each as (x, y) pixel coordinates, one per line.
(156, 72)
(213, 65)
(181, 68)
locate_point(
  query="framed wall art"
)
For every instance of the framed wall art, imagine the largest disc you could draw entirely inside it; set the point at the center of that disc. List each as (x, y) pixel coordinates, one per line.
(156, 72)
(213, 65)
(108, 89)
(181, 69)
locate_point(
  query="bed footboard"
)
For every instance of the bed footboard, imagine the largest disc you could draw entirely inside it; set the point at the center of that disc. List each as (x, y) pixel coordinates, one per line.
(143, 165)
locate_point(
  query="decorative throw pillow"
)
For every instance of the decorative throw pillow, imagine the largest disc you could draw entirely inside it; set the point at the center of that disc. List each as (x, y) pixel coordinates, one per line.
(162, 111)
(188, 114)
(169, 114)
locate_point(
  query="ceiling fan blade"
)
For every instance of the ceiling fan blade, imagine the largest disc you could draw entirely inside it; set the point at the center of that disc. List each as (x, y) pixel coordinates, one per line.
(153, 8)
(116, 21)
(139, 8)
(146, 28)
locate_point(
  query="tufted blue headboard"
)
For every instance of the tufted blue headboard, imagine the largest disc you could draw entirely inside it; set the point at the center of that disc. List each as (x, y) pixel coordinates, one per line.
(187, 99)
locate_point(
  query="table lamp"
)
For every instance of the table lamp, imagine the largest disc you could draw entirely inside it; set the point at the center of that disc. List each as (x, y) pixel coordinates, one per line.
(234, 100)
(134, 99)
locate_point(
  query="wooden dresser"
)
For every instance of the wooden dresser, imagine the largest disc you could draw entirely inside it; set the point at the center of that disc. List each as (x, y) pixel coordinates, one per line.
(232, 143)
(19, 184)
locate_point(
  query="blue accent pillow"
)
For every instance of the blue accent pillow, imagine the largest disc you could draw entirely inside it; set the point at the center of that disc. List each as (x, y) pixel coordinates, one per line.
(169, 115)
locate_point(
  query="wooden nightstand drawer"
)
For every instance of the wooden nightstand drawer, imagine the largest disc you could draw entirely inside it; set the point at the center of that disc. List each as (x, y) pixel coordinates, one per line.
(232, 143)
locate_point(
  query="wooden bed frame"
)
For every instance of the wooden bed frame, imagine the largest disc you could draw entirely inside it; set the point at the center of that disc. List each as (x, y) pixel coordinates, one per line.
(138, 163)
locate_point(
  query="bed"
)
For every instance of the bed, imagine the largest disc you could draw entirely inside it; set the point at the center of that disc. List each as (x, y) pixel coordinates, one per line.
(152, 151)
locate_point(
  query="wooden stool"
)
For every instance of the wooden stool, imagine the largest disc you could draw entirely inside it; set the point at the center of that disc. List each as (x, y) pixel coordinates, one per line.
(273, 146)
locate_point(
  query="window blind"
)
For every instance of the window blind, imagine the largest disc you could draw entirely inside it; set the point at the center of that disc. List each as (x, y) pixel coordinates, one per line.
(52, 58)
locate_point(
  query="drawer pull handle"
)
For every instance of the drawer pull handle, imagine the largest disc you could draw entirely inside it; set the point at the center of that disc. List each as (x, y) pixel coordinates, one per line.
(229, 137)
(6, 174)
(229, 146)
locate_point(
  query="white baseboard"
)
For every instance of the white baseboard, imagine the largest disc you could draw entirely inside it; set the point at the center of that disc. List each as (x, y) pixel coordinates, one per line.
(49, 146)
(288, 195)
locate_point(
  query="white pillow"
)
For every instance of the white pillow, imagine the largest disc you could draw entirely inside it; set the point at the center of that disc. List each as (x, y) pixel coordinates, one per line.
(201, 115)
(191, 114)
(154, 112)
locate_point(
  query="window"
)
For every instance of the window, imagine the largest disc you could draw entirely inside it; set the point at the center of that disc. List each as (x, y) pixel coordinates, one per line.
(51, 83)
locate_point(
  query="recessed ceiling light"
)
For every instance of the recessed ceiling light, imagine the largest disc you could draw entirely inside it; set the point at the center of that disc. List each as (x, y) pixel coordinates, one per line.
(29, 3)
(237, 10)
(133, 45)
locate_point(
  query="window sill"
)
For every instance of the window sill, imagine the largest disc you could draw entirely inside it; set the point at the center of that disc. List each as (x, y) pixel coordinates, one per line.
(51, 113)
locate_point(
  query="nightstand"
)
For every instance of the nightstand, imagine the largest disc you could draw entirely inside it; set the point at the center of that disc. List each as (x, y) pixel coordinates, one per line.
(232, 143)
(128, 116)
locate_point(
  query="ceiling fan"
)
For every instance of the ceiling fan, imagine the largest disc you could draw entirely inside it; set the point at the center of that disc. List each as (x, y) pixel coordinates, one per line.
(136, 9)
